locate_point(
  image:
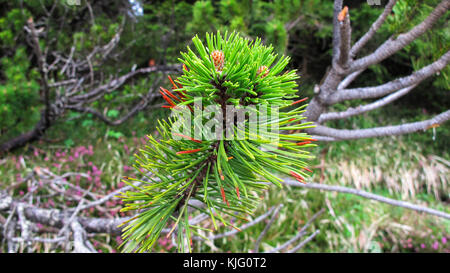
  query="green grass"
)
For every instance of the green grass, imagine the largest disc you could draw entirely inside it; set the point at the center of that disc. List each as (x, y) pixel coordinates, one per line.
(413, 168)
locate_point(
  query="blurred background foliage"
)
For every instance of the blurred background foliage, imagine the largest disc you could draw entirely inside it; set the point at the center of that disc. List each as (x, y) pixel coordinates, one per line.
(154, 34)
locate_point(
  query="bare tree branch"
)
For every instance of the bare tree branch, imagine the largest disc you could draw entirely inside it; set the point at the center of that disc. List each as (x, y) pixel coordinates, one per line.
(116, 83)
(303, 243)
(365, 108)
(42, 67)
(384, 89)
(141, 105)
(349, 79)
(79, 236)
(300, 234)
(344, 134)
(392, 45)
(373, 29)
(368, 195)
(235, 231)
(290, 25)
(345, 37)
(263, 233)
(45, 120)
(336, 33)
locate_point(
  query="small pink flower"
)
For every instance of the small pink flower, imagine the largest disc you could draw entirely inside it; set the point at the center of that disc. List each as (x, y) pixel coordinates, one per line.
(435, 245)
(422, 245)
(444, 240)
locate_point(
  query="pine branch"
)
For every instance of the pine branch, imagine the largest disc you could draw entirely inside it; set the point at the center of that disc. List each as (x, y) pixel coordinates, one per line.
(224, 167)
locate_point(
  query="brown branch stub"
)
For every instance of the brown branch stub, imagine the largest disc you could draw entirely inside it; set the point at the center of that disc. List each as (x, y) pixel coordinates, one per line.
(342, 14)
(345, 39)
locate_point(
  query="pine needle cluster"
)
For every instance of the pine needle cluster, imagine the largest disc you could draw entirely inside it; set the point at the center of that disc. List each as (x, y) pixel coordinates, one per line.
(226, 174)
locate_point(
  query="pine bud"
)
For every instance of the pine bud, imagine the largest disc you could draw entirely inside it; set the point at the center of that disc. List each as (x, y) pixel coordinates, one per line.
(219, 59)
(262, 69)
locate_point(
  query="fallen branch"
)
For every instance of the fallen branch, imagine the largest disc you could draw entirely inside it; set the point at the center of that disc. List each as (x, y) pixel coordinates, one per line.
(368, 195)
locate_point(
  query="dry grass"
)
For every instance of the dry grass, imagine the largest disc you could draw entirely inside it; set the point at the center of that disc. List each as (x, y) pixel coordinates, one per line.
(399, 169)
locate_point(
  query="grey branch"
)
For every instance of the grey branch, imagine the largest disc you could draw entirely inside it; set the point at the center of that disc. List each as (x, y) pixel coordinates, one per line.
(345, 134)
(393, 44)
(79, 238)
(116, 83)
(373, 29)
(368, 195)
(384, 89)
(243, 227)
(345, 40)
(263, 233)
(349, 79)
(42, 66)
(304, 242)
(141, 105)
(336, 33)
(365, 108)
(300, 234)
